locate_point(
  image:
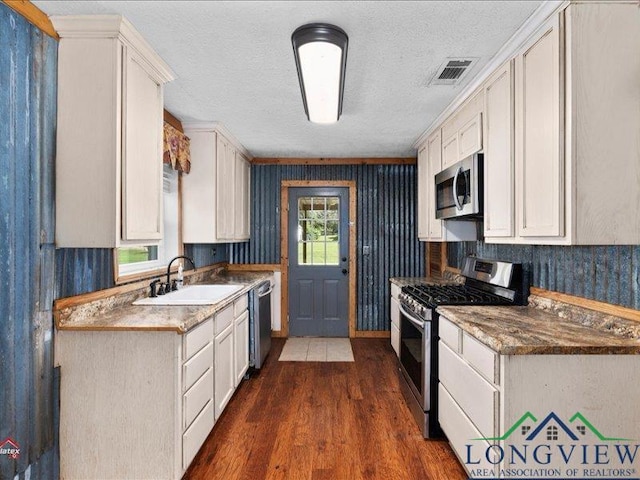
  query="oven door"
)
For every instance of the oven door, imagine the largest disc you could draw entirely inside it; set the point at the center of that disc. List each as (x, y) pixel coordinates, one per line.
(415, 355)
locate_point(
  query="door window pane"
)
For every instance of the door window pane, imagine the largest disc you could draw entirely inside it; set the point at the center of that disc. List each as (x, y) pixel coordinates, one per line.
(318, 230)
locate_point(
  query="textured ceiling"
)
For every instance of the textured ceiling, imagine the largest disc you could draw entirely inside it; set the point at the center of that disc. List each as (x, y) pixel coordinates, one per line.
(234, 64)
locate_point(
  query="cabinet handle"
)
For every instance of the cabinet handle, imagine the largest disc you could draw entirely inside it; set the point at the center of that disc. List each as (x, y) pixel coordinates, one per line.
(455, 189)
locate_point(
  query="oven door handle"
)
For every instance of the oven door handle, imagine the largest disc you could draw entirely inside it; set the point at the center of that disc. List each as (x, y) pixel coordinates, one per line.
(417, 323)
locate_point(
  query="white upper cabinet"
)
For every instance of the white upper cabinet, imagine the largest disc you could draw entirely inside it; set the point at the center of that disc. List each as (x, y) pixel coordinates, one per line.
(539, 120)
(577, 132)
(462, 131)
(560, 132)
(109, 134)
(423, 194)
(216, 193)
(429, 227)
(498, 154)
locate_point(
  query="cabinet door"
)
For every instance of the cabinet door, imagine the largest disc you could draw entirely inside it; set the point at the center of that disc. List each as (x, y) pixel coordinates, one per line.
(141, 152)
(434, 154)
(241, 342)
(395, 326)
(539, 121)
(449, 151)
(498, 154)
(470, 137)
(241, 217)
(225, 195)
(223, 369)
(423, 194)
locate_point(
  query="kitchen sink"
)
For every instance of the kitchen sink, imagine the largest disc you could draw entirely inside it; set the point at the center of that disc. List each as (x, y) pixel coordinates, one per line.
(192, 295)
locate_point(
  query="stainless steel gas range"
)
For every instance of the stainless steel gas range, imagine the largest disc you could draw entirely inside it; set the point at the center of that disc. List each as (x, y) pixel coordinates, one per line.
(486, 282)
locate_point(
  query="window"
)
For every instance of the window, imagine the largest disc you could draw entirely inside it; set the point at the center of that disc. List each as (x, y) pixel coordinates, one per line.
(525, 429)
(582, 429)
(143, 258)
(552, 433)
(318, 230)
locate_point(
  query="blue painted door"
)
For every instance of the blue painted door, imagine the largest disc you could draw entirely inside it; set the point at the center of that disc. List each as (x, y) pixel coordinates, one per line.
(318, 262)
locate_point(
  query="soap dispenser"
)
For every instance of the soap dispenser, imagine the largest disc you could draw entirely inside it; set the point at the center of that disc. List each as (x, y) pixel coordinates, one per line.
(180, 279)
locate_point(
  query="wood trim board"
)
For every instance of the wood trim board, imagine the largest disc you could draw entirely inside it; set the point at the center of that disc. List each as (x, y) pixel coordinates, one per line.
(284, 247)
(333, 161)
(34, 16)
(173, 121)
(373, 334)
(254, 267)
(608, 308)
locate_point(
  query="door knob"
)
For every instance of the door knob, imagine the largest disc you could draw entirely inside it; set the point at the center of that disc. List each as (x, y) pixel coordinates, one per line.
(345, 271)
(344, 259)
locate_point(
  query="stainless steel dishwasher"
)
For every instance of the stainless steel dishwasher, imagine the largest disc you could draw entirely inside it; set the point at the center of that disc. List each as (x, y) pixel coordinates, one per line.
(260, 324)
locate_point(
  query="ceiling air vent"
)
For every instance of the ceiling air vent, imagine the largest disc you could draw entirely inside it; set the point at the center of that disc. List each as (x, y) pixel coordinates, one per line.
(452, 71)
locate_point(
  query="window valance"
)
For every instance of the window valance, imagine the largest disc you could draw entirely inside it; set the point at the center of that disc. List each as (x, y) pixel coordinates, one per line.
(176, 149)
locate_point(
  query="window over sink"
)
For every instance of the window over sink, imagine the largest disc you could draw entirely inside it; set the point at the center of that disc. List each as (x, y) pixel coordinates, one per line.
(134, 261)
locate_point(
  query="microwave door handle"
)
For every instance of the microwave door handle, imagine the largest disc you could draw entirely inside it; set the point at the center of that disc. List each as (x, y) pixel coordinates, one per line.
(455, 189)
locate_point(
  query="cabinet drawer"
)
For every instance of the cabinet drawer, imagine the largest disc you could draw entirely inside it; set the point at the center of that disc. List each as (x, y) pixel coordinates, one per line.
(196, 338)
(477, 398)
(449, 334)
(197, 397)
(224, 318)
(195, 367)
(470, 137)
(481, 357)
(395, 313)
(196, 434)
(240, 305)
(395, 290)
(461, 432)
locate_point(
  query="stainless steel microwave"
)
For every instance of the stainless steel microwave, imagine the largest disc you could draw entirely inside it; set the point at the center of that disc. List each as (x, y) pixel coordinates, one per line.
(458, 189)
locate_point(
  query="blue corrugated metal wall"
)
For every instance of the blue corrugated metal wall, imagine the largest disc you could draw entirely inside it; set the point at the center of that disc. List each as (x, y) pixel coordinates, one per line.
(28, 414)
(609, 273)
(386, 199)
(83, 270)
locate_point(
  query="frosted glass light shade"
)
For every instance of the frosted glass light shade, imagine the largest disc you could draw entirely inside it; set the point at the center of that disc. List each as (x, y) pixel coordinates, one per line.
(321, 52)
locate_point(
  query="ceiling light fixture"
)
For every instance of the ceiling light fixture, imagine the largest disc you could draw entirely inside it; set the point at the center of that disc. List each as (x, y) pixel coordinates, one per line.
(320, 50)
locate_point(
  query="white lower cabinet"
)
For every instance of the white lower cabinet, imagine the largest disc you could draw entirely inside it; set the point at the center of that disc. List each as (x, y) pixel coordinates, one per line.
(224, 369)
(241, 348)
(395, 318)
(159, 390)
(497, 409)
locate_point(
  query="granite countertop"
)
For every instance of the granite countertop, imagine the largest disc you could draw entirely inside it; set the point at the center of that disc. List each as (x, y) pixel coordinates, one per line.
(546, 327)
(117, 312)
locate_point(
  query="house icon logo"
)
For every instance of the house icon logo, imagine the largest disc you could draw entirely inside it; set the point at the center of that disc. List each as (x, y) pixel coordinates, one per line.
(9, 447)
(552, 428)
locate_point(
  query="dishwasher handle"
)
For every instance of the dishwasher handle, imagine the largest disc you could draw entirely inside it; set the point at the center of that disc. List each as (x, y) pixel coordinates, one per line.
(264, 289)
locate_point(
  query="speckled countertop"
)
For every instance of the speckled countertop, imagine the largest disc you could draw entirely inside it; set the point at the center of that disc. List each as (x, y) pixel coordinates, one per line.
(117, 313)
(546, 327)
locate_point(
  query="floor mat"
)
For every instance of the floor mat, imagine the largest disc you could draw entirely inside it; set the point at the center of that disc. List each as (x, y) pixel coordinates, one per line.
(302, 349)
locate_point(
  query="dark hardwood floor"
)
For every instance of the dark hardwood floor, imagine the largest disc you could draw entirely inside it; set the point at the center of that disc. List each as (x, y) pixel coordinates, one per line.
(317, 421)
